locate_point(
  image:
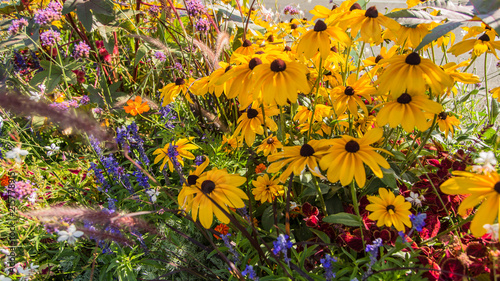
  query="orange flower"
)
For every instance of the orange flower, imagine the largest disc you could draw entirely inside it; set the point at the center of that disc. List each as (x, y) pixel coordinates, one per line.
(222, 229)
(136, 107)
(4, 180)
(260, 168)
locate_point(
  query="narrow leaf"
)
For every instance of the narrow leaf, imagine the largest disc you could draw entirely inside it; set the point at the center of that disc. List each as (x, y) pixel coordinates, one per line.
(343, 218)
(438, 32)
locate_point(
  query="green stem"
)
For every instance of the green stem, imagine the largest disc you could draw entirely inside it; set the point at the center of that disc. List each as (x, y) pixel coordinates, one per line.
(355, 206)
(359, 58)
(320, 195)
(486, 87)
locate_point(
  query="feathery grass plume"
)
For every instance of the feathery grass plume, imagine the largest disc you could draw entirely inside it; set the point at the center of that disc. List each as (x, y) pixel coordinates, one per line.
(221, 44)
(206, 51)
(22, 105)
(153, 41)
(100, 235)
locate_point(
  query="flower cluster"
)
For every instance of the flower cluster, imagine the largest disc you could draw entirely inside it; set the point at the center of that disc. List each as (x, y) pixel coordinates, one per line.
(49, 14)
(195, 8)
(202, 25)
(291, 10)
(50, 38)
(16, 26)
(160, 56)
(281, 245)
(82, 50)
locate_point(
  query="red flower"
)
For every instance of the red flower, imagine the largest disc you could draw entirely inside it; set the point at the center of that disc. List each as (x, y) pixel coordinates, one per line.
(311, 214)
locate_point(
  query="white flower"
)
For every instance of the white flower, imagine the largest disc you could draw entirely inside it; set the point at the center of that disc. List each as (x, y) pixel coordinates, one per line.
(415, 199)
(153, 193)
(487, 161)
(293, 205)
(1, 122)
(35, 96)
(69, 235)
(33, 197)
(51, 149)
(26, 273)
(16, 153)
(3, 278)
(493, 229)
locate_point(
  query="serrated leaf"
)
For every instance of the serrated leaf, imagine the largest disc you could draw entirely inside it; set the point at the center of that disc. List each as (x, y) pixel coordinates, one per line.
(438, 32)
(343, 218)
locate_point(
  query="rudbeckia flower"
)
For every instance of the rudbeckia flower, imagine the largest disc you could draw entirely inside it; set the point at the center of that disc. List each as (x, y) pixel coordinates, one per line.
(410, 37)
(446, 121)
(344, 159)
(304, 114)
(136, 106)
(222, 188)
(408, 110)
(462, 77)
(246, 48)
(369, 23)
(224, 84)
(181, 147)
(252, 123)
(172, 90)
(229, 144)
(495, 93)
(190, 188)
(280, 80)
(389, 210)
(297, 158)
(270, 145)
(349, 97)
(412, 73)
(482, 189)
(483, 44)
(242, 78)
(318, 39)
(266, 189)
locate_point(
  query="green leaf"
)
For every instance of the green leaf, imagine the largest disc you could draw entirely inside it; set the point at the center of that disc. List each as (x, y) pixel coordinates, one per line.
(9, 9)
(344, 218)
(488, 12)
(85, 9)
(141, 52)
(268, 218)
(494, 110)
(438, 32)
(466, 97)
(389, 178)
(411, 17)
(321, 235)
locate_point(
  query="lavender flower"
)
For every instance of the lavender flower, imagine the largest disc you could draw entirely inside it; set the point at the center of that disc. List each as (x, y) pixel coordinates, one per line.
(230, 247)
(289, 9)
(282, 244)
(327, 263)
(372, 249)
(50, 37)
(250, 272)
(16, 26)
(154, 11)
(195, 8)
(418, 221)
(84, 100)
(20, 190)
(141, 178)
(159, 55)
(202, 25)
(199, 160)
(82, 50)
(100, 177)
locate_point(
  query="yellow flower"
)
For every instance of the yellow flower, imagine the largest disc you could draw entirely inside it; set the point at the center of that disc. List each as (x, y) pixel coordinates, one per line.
(350, 97)
(411, 73)
(221, 187)
(241, 78)
(251, 123)
(136, 106)
(495, 93)
(344, 160)
(246, 48)
(388, 209)
(180, 148)
(408, 110)
(270, 145)
(231, 143)
(484, 189)
(189, 187)
(318, 39)
(483, 44)
(266, 189)
(410, 37)
(215, 76)
(297, 158)
(446, 122)
(304, 114)
(280, 80)
(172, 90)
(463, 77)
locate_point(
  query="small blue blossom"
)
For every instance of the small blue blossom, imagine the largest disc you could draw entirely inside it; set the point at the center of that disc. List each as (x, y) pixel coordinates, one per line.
(327, 263)
(418, 221)
(282, 244)
(250, 272)
(230, 247)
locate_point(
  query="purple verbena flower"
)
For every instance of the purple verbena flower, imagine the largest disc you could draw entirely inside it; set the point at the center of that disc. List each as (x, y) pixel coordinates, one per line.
(202, 25)
(289, 9)
(195, 8)
(82, 50)
(50, 37)
(418, 221)
(16, 26)
(154, 11)
(159, 55)
(178, 66)
(49, 14)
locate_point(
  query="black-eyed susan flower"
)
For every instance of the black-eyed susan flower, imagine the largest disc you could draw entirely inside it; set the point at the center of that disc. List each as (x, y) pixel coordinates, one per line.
(408, 110)
(412, 73)
(304, 114)
(344, 159)
(269, 145)
(231, 143)
(266, 189)
(179, 150)
(411, 36)
(246, 48)
(222, 188)
(369, 22)
(280, 81)
(298, 158)
(318, 39)
(495, 93)
(241, 77)
(172, 90)
(462, 77)
(446, 121)
(349, 96)
(189, 187)
(389, 210)
(215, 76)
(251, 123)
(484, 189)
(485, 43)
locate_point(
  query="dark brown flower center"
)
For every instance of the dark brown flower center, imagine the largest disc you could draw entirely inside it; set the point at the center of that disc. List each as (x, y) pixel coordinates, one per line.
(404, 98)
(179, 81)
(247, 43)
(413, 59)
(497, 187)
(278, 65)
(270, 141)
(320, 26)
(287, 49)
(293, 26)
(306, 150)
(349, 91)
(355, 6)
(371, 12)
(227, 69)
(259, 52)
(484, 38)
(334, 49)
(252, 113)
(352, 146)
(443, 115)
(253, 63)
(334, 7)
(192, 179)
(207, 186)
(378, 58)
(390, 207)
(270, 38)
